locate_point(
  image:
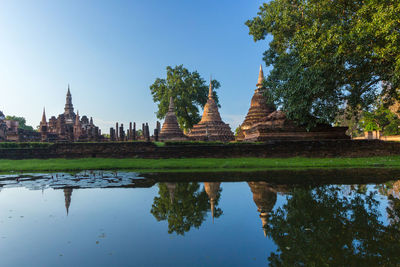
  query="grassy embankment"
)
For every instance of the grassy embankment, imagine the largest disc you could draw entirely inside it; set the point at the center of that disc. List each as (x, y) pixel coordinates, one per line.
(196, 164)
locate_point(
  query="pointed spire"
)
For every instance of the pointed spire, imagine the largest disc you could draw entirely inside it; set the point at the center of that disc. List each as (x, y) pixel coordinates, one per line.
(171, 105)
(44, 115)
(210, 90)
(69, 92)
(77, 118)
(260, 78)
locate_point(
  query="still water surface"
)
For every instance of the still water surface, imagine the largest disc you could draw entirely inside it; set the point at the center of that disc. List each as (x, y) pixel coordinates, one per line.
(121, 219)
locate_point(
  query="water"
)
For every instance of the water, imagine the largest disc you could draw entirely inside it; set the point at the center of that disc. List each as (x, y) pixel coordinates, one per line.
(128, 219)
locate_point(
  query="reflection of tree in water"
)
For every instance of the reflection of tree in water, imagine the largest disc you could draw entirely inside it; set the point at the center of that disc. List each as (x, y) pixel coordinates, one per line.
(392, 191)
(321, 227)
(183, 205)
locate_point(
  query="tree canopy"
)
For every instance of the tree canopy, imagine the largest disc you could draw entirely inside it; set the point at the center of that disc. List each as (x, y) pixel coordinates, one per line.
(381, 119)
(189, 91)
(21, 122)
(325, 54)
(327, 227)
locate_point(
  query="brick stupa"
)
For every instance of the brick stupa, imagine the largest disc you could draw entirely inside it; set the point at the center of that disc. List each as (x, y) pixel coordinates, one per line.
(211, 127)
(264, 123)
(259, 108)
(170, 130)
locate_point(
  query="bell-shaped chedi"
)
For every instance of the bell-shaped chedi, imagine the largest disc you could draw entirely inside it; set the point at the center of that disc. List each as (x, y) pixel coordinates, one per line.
(259, 108)
(211, 127)
(170, 129)
(212, 190)
(264, 123)
(264, 196)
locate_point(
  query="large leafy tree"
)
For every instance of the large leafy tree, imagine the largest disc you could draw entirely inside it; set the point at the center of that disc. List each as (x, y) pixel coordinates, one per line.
(327, 53)
(21, 122)
(189, 91)
(185, 208)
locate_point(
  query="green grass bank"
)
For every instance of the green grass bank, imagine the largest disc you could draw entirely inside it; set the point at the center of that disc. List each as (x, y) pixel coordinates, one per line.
(196, 164)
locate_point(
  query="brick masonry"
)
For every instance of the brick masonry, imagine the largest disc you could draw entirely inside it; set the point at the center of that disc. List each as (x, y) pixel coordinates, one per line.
(284, 149)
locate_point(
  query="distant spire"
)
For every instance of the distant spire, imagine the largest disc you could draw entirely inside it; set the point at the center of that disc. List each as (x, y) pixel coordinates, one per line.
(44, 116)
(91, 121)
(171, 104)
(210, 90)
(77, 119)
(69, 108)
(260, 78)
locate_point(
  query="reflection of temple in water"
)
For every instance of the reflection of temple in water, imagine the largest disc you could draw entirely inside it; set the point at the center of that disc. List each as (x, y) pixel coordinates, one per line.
(212, 190)
(171, 189)
(67, 195)
(264, 196)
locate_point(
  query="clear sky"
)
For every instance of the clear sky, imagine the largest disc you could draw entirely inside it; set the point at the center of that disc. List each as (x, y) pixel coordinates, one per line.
(110, 52)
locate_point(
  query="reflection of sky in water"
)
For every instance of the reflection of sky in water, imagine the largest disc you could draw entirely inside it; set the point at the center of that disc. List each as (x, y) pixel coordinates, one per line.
(108, 227)
(115, 226)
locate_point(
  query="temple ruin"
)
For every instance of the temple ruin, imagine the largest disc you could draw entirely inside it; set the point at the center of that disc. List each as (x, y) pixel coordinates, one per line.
(170, 130)
(68, 126)
(11, 132)
(211, 127)
(263, 122)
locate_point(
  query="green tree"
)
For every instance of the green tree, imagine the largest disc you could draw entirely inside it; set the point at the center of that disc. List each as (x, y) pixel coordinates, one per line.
(381, 119)
(189, 91)
(21, 122)
(324, 227)
(327, 53)
(185, 208)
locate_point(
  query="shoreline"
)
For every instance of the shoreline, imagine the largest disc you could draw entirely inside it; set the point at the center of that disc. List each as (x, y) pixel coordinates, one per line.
(197, 164)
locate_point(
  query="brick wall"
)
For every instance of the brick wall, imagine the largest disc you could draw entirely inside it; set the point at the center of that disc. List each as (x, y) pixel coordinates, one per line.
(326, 148)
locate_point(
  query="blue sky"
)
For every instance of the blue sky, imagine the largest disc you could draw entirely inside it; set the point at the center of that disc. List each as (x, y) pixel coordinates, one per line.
(110, 52)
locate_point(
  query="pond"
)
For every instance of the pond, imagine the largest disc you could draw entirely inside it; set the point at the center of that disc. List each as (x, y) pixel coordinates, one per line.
(245, 219)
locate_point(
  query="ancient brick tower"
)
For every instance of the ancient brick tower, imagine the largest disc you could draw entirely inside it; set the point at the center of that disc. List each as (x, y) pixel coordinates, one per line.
(77, 127)
(264, 123)
(259, 109)
(211, 127)
(43, 128)
(170, 129)
(264, 196)
(69, 109)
